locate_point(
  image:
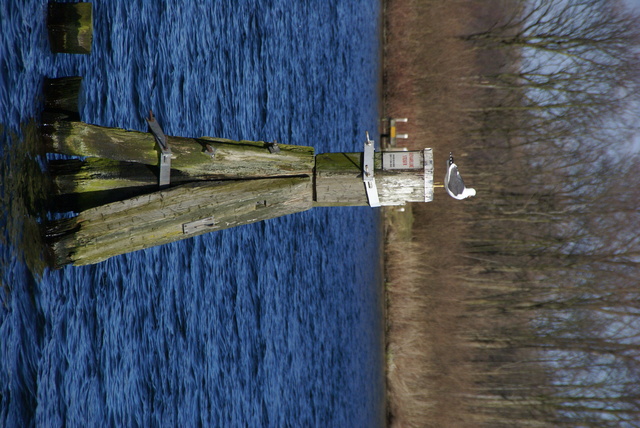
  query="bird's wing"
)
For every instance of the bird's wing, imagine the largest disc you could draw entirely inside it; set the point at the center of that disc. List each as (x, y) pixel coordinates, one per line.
(455, 183)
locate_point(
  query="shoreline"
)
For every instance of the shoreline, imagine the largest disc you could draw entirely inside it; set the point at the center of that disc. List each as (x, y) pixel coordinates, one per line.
(383, 226)
(421, 63)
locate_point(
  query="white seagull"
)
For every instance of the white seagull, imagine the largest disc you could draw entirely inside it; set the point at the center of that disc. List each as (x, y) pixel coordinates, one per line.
(453, 182)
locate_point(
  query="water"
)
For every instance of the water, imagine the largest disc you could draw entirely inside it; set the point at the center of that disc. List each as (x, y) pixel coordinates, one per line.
(272, 324)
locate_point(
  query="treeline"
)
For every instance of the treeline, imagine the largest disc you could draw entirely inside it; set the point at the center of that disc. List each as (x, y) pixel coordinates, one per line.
(542, 267)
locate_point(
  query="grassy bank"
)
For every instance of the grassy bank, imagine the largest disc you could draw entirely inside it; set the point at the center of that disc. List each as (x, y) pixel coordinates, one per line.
(425, 67)
(506, 309)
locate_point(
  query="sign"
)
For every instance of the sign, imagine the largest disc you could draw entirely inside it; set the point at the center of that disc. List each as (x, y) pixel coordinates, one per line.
(402, 160)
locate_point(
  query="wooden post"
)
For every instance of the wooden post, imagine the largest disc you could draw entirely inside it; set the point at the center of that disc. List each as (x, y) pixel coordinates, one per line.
(169, 215)
(70, 27)
(190, 156)
(61, 95)
(214, 183)
(339, 181)
(125, 210)
(80, 184)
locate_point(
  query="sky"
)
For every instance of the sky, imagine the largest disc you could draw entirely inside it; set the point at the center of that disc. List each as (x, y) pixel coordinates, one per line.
(635, 4)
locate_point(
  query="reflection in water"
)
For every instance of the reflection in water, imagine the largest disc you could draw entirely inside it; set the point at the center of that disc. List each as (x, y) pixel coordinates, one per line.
(25, 192)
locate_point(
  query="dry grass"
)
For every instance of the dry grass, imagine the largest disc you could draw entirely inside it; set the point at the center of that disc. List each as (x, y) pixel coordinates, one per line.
(462, 347)
(425, 70)
(425, 359)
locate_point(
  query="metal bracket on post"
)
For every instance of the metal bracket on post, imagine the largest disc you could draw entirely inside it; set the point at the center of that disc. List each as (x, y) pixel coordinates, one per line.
(198, 225)
(211, 151)
(367, 173)
(165, 151)
(273, 147)
(165, 167)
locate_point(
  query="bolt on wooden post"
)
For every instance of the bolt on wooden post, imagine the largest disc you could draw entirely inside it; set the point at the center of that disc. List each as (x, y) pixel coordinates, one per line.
(112, 179)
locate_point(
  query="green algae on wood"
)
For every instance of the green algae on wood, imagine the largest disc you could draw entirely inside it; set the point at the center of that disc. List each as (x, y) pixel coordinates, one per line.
(86, 183)
(96, 174)
(61, 94)
(159, 218)
(190, 156)
(70, 27)
(338, 180)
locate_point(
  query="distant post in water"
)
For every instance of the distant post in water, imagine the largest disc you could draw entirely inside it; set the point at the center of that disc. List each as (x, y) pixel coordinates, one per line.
(125, 202)
(70, 27)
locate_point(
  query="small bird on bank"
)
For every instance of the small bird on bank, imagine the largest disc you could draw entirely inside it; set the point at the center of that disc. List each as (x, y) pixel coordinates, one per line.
(453, 182)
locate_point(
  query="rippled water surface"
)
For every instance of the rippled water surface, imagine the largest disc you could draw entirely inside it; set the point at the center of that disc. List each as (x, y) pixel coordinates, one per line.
(273, 324)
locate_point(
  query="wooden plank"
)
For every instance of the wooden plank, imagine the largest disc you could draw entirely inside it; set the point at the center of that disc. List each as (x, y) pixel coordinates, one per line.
(158, 218)
(88, 183)
(232, 160)
(95, 175)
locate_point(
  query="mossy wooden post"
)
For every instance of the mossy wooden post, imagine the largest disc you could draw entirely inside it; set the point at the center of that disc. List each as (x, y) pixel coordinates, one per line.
(214, 184)
(177, 213)
(70, 27)
(61, 95)
(201, 204)
(198, 158)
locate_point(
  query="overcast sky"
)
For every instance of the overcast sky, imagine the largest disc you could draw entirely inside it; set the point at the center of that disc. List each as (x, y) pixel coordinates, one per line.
(633, 3)
(636, 5)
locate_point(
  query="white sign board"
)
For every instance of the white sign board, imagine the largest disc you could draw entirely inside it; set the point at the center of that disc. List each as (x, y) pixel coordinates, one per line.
(402, 160)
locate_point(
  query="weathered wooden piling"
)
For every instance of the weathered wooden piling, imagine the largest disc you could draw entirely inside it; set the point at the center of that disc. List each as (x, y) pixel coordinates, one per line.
(179, 212)
(70, 27)
(123, 203)
(200, 158)
(214, 184)
(81, 184)
(197, 205)
(61, 95)
(339, 178)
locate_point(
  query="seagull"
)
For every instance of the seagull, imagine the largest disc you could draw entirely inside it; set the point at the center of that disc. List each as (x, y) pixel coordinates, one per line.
(453, 182)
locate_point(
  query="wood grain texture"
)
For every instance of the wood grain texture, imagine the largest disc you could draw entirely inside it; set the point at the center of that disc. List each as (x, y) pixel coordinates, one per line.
(158, 218)
(233, 159)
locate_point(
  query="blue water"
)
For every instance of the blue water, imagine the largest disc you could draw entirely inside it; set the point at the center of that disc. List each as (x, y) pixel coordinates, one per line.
(272, 324)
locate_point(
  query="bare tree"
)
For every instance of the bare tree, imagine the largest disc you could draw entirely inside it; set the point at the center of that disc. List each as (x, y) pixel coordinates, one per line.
(574, 65)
